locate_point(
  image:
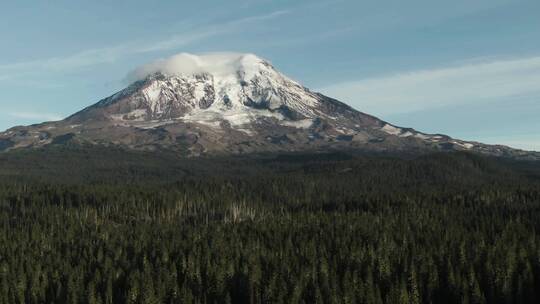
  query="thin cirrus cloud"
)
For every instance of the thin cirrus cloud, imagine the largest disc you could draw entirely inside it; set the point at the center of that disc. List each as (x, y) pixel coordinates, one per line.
(520, 141)
(184, 39)
(35, 116)
(110, 54)
(437, 88)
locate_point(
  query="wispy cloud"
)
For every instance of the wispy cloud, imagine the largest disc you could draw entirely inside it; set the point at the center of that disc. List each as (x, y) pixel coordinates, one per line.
(35, 116)
(111, 54)
(259, 18)
(78, 60)
(525, 142)
(183, 39)
(425, 89)
(206, 32)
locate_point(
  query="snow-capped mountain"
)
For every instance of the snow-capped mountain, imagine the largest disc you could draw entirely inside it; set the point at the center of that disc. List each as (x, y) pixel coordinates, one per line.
(234, 88)
(229, 103)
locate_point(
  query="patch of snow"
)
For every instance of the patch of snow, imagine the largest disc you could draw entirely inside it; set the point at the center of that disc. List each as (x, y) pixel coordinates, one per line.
(344, 130)
(422, 136)
(300, 124)
(151, 94)
(406, 134)
(391, 129)
(135, 115)
(465, 145)
(246, 131)
(199, 91)
(214, 124)
(153, 124)
(235, 116)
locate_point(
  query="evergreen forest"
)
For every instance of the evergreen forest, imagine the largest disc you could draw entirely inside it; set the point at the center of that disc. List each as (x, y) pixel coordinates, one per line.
(110, 226)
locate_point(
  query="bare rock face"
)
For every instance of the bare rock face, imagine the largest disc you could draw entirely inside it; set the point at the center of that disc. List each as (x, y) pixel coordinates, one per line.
(230, 104)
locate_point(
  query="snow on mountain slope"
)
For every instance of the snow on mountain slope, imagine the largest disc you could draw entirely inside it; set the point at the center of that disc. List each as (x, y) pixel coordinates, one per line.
(228, 103)
(230, 84)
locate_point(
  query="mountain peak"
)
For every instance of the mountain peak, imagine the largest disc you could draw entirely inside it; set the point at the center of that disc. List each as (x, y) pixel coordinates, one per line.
(220, 86)
(230, 103)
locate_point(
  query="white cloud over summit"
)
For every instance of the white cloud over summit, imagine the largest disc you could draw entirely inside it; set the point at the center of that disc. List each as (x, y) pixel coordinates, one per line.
(189, 64)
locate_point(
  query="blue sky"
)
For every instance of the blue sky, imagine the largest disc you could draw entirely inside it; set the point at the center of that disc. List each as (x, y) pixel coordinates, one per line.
(466, 68)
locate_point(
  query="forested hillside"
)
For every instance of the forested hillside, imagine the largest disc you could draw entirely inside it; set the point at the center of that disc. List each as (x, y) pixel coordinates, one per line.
(110, 226)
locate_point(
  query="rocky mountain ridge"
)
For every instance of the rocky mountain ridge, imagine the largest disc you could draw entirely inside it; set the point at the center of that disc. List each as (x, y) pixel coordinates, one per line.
(230, 104)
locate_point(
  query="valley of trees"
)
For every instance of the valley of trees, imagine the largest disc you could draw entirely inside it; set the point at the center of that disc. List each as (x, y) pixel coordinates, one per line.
(113, 227)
